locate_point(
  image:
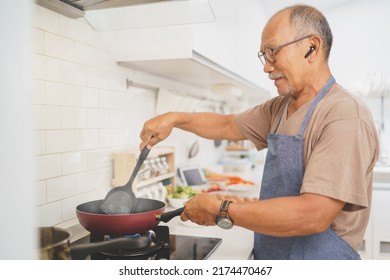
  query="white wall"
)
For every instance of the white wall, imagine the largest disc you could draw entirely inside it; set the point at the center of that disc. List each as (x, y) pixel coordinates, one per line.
(361, 47)
(17, 239)
(84, 112)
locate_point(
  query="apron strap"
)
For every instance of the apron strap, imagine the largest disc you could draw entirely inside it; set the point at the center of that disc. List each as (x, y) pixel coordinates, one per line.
(313, 105)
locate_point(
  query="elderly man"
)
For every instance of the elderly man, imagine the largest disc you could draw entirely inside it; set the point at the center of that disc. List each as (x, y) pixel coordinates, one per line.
(322, 147)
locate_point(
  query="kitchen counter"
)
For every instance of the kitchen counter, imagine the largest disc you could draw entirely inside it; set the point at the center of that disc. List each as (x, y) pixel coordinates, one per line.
(381, 174)
(237, 243)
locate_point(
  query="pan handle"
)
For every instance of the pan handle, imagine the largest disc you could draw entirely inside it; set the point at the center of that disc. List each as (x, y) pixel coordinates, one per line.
(166, 217)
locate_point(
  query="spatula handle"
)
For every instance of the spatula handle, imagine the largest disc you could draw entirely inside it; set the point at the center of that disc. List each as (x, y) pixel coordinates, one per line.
(144, 154)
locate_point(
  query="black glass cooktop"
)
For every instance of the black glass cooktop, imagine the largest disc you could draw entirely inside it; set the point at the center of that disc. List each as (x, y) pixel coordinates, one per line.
(169, 246)
(192, 248)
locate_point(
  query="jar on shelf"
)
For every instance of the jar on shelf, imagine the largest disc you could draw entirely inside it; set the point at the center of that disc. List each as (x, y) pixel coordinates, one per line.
(165, 165)
(154, 170)
(145, 172)
(160, 166)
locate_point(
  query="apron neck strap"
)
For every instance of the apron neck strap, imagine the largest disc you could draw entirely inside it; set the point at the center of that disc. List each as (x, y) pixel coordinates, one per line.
(313, 105)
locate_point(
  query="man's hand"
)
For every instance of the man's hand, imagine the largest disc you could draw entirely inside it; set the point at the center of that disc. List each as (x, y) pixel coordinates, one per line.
(202, 209)
(156, 130)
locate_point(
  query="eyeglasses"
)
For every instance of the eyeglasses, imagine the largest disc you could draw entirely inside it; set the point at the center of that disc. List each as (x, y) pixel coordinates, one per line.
(269, 53)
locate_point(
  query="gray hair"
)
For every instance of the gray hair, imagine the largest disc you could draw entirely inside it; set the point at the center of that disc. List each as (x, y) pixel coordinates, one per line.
(309, 20)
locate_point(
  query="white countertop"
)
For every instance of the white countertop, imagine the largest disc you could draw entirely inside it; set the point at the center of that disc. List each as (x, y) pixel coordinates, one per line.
(381, 186)
(237, 243)
(381, 169)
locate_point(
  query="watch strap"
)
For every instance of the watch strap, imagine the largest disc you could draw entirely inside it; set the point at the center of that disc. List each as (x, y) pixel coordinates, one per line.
(224, 206)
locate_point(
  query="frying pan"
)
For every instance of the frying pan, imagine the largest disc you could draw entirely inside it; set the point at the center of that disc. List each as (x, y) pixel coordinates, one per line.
(146, 216)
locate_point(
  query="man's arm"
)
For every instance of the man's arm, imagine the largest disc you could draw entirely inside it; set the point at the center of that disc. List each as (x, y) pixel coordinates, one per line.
(206, 125)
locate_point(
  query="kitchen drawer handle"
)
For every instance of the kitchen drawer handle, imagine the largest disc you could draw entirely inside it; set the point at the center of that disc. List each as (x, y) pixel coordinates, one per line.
(384, 247)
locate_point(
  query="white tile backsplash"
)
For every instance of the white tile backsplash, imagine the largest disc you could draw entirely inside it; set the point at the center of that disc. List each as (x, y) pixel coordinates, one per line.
(74, 162)
(107, 61)
(45, 68)
(60, 141)
(74, 29)
(61, 187)
(98, 40)
(46, 117)
(45, 19)
(86, 55)
(48, 166)
(62, 94)
(98, 118)
(83, 113)
(73, 73)
(117, 82)
(69, 207)
(94, 179)
(74, 117)
(49, 214)
(58, 47)
(110, 99)
(99, 159)
(89, 97)
(97, 78)
(87, 139)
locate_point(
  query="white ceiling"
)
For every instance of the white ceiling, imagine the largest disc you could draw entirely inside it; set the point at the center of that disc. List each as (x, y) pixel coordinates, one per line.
(272, 6)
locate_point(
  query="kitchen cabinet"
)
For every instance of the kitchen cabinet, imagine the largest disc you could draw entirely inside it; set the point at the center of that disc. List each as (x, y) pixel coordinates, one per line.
(125, 161)
(233, 40)
(377, 238)
(204, 54)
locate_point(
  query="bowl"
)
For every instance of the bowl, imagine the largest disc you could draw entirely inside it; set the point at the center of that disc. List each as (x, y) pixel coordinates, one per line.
(177, 202)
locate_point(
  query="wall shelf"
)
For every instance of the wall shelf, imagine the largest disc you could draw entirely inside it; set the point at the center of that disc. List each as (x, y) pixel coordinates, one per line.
(124, 163)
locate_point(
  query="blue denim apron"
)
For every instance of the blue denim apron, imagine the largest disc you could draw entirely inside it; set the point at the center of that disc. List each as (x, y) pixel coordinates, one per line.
(283, 175)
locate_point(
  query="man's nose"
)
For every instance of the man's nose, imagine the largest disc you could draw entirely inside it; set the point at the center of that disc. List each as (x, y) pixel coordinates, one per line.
(268, 66)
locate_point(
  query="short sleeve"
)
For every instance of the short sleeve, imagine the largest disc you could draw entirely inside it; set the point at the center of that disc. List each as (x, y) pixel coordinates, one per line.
(256, 123)
(340, 161)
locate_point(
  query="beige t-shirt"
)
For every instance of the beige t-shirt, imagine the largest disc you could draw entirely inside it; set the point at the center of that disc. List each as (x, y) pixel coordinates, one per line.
(340, 150)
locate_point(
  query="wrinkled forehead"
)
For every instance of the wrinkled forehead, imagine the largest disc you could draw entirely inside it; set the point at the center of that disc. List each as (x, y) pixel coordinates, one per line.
(277, 30)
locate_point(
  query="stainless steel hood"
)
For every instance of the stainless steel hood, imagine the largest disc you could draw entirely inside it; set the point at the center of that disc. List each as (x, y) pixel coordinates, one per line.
(77, 8)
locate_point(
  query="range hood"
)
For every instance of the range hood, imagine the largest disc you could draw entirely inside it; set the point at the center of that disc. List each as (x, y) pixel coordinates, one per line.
(77, 8)
(200, 71)
(109, 15)
(165, 48)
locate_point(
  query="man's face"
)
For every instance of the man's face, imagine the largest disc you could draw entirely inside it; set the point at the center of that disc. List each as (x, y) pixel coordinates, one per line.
(288, 70)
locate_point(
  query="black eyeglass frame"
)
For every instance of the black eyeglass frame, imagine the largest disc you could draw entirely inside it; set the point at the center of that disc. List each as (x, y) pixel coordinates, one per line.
(269, 53)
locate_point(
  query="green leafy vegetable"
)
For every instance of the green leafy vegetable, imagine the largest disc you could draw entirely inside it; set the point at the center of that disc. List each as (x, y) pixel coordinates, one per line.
(183, 192)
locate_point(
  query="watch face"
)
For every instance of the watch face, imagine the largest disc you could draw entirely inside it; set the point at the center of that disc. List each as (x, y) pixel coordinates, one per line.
(225, 223)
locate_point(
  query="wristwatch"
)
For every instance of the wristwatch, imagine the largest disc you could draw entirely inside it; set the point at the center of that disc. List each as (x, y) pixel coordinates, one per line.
(223, 220)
